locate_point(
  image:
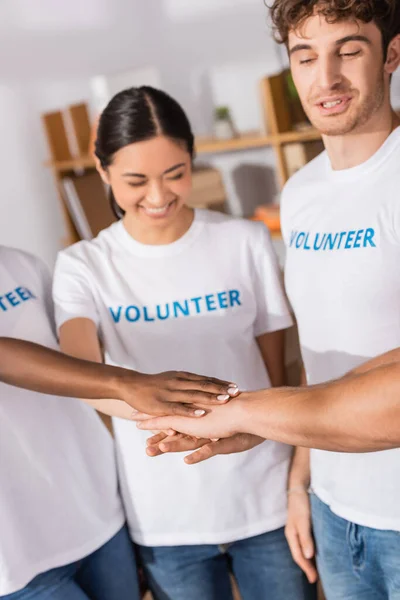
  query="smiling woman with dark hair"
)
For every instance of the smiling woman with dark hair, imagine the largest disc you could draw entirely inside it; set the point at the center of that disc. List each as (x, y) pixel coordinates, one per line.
(171, 285)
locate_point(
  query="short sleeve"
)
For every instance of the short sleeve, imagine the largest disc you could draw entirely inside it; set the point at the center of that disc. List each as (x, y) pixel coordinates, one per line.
(273, 311)
(72, 290)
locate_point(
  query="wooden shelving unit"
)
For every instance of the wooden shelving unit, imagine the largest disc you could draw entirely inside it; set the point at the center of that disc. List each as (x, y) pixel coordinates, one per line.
(209, 145)
(283, 120)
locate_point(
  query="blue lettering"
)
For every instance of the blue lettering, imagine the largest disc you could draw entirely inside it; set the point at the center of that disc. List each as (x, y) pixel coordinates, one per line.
(293, 235)
(234, 297)
(184, 309)
(342, 234)
(128, 314)
(197, 303)
(1, 304)
(306, 246)
(159, 315)
(368, 238)
(358, 238)
(349, 240)
(210, 301)
(23, 293)
(300, 239)
(223, 300)
(331, 241)
(12, 299)
(316, 247)
(116, 316)
(146, 316)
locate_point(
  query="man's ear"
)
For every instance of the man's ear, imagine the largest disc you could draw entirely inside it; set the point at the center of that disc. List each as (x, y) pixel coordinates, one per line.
(102, 172)
(393, 55)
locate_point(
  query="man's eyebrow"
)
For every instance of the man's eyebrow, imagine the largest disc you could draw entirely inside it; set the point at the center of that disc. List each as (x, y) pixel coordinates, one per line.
(298, 47)
(353, 38)
(344, 40)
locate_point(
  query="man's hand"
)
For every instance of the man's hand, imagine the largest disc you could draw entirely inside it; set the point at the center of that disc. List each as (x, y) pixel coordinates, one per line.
(204, 448)
(220, 422)
(298, 532)
(172, 393)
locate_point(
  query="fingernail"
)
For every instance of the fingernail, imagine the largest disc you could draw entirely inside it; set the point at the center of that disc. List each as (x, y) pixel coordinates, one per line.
(199, 413)
(224, 397)
(308, 553)
(233, 390)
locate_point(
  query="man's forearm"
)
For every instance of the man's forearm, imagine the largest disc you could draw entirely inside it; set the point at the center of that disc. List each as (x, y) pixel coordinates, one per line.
(31, 366)
(359, 413)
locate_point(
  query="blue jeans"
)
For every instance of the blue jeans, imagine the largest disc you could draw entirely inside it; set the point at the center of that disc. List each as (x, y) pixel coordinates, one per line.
(262, 566)
(354, 562)
(107, 574)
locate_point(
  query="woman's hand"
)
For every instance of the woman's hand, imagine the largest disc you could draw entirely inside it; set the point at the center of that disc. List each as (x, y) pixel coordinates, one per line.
(220, 422)
(172, 393)
(298, 532)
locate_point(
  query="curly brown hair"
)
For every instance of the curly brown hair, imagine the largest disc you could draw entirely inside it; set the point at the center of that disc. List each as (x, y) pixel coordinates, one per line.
(291, 14)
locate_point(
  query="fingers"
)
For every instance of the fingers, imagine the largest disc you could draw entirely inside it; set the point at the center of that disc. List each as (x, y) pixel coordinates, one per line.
(159, 423)
(204, 453)
(154, 440)
(182, 444)
(301, 555)
(223, 446)
(197, 396)
(306, 540)
(205, 390)
(212, 380)
(165, 409)
(154, 446)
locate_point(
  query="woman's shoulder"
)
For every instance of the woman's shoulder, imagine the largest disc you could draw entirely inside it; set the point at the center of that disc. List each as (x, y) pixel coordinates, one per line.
(89, 248)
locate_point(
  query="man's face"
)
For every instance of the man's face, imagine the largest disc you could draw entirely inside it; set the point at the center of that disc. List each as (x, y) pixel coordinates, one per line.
(339, 73)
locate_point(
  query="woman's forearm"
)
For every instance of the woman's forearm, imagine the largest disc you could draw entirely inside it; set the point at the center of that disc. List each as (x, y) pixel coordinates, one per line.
(31, 366)
(359, 413)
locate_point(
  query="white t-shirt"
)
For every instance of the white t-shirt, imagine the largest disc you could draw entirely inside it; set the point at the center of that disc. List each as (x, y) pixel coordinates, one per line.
(58, 483)
(342, 232)
(195, 305)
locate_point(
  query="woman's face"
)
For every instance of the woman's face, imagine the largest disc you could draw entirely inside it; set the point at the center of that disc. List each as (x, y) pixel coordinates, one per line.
(151, 180)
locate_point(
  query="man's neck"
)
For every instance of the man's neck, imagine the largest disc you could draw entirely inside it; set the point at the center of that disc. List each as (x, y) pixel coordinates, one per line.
(354, 148)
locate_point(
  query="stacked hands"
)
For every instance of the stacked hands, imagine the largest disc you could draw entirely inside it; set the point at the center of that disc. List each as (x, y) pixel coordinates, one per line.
(191, 413)
(206, 416)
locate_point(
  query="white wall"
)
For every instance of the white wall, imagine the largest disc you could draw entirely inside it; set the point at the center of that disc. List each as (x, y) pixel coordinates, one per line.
(49, 49)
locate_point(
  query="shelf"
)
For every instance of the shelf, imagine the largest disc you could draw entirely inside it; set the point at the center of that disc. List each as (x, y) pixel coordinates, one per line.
(81, 162)
(209, 145)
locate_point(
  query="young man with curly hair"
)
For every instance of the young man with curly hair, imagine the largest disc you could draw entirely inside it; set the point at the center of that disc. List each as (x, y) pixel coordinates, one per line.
(341, 225)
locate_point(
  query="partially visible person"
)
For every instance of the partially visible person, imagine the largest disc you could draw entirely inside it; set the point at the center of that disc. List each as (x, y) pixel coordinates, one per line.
(169, 285)
(62, 524)
(341, 225)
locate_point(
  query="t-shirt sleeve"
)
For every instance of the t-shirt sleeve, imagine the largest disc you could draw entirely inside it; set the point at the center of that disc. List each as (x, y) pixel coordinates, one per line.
(273, 312)
(72, 290)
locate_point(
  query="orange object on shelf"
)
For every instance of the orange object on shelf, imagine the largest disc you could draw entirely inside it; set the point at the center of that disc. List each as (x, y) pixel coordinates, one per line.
(269, 214)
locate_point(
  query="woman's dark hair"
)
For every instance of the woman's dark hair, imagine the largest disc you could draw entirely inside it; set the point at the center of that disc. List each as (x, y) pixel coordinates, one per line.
(136, 115)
